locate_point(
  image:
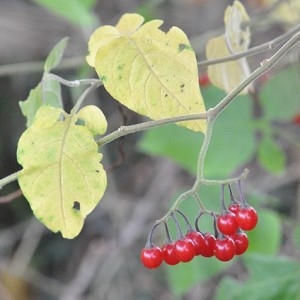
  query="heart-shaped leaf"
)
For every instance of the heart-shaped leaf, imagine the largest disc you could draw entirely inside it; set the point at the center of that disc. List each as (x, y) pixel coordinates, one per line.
(62, 177)
(151, 72)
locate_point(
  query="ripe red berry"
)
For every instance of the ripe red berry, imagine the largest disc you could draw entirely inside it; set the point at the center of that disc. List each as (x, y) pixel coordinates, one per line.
(151, 257)
(241, 242)
(208, 250)
(169, 255)
(296, 119)
(234, 207)
(224, 249)
(198, 241)
(185, 249)
(227, 223)
(204, 80)
(247, 218)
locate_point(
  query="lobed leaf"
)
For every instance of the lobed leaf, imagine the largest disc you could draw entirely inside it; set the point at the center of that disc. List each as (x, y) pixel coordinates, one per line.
(62, 177)
(151, 72)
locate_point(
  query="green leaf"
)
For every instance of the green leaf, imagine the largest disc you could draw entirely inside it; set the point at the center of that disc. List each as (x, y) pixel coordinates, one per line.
(266, 237)
(231, 145)
(297, 236)
(270, 278)
(31, 104)
(62, 177)
(270, 155)
(55, 56)
(48, 91)
(77, 12)
(280, 95)
(151, 72)
(182, 277)
(51, 93)
(183, 149)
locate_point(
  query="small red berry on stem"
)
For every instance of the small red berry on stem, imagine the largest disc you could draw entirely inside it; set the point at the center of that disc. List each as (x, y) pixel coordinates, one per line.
(241, 242)
(210, 241)
(247, 218)
(169, 255)
(227, 223)
(224, 248)
(234, 207)
(151, 257)
(185, 249)
(198, 240)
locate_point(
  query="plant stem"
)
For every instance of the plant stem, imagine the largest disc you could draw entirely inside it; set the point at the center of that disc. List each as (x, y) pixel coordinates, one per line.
(273, 44)
(265, 66)
(203, 150)
(72, 83)
(94, 85)
(8, 179)
(213, 113)
(124, 130)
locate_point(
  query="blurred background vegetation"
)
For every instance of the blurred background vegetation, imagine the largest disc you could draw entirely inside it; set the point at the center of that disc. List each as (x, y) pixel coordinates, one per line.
(259, 131)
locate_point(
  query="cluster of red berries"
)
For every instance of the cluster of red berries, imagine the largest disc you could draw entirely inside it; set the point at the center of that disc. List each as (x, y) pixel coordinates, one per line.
(229, 239)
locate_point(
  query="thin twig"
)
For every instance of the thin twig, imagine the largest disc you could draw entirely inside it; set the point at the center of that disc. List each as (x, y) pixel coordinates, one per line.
(273, 44)
(38, 66)
(10, 197)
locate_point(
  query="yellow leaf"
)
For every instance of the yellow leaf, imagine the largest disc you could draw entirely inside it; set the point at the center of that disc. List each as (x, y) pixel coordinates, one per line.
(62, 177)
(93, 119)
(285, 11)
(229, 75)
(236, 33)
(151, 72)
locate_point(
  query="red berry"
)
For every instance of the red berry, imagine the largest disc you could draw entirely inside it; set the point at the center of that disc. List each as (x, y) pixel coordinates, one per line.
(169, 255)
(204, 80)
(227, 223)
(247, 218)
(185, 249)
(198, 241)
(151, 257)
(224, 249)
(234, 207)
(210, 240)
(241, 242)
(296, 119)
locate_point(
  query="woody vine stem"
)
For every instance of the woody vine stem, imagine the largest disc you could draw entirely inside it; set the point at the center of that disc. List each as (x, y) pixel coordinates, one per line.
(210, 116)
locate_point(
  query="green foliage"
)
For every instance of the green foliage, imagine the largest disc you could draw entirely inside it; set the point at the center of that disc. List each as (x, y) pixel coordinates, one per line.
(55, 56)
(270, 278)
(232, 142)
(65, 181)
(77, 12)
(266, 238)
(280, 89)
(297, 236)
(48, 91)
(270, 155)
